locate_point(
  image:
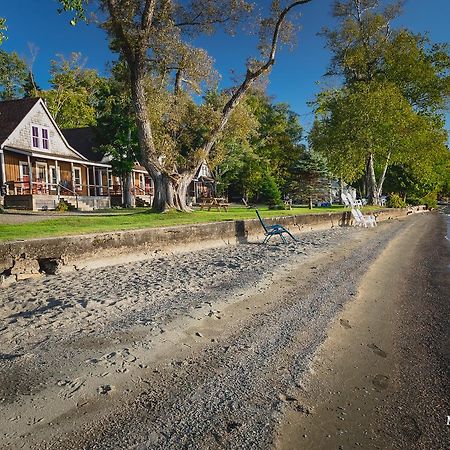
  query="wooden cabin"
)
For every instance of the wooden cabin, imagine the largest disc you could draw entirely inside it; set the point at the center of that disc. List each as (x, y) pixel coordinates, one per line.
(38, 166)
(85, 141)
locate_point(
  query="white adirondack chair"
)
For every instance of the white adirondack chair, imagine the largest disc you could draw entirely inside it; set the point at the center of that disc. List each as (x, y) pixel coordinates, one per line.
(345, 200)
(363, 221)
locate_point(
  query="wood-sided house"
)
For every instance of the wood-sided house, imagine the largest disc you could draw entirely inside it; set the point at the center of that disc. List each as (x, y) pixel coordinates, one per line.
(38, 166)
(142, 187)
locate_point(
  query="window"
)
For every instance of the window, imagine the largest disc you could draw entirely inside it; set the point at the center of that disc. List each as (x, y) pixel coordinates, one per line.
(142, 181)
(40, 137)
(44, 138)
(35, 134)
(53, 176)
(204, 172)
(24, 171)
(41, 172)
(77, 177)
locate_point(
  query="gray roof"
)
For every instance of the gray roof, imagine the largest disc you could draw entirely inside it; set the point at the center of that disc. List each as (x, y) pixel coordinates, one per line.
(12, 113)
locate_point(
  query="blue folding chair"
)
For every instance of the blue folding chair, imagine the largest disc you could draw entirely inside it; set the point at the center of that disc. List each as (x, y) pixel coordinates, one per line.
(273, 230)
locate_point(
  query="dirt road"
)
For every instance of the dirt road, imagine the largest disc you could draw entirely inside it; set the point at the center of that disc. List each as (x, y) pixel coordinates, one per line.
(221, 348)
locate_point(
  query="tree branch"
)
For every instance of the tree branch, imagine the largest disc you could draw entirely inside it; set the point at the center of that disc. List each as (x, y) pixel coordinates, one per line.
(147, 15)
(250, 78)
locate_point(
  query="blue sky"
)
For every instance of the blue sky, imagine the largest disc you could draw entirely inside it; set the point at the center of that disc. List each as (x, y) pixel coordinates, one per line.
(295, 79)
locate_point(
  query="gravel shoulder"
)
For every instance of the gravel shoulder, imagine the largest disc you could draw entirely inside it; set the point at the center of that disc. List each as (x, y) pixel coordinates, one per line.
(199, 350)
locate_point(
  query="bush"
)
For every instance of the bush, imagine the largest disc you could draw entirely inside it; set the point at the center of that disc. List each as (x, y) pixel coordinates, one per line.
(395, 201)
(62, 206)
(429, 200)
(270, 191)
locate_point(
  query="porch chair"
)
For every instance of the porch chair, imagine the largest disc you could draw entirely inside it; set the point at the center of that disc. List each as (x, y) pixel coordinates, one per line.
(273, 230)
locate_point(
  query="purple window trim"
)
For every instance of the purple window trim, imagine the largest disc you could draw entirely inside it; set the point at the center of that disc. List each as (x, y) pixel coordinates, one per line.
(35, 136)
(44, 138)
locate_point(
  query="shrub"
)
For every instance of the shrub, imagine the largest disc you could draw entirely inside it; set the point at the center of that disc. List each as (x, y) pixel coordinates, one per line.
(395, 201)
(429, 200)
(62, 206)
(270, 191)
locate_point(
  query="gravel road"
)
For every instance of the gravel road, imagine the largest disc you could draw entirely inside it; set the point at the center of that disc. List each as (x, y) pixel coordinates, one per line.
(199, 350)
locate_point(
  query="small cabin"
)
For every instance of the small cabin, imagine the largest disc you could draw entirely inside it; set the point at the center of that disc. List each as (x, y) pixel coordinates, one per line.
(38, 166)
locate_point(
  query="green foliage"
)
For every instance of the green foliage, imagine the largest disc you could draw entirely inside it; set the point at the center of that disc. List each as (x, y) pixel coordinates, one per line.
(310, 179)
(3, 28)
(429, 200)
(387, 113)
(395, 201)
(116, 127)
(62, 206)
(77, 7)
(267, 147)
(71, 100)
(13, 74)
(270, 193)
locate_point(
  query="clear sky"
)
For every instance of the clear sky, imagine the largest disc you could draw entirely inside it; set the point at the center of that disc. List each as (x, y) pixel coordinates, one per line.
(295, 78)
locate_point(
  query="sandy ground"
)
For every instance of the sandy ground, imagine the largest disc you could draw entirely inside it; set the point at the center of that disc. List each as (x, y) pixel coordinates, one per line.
(381, 378)
(228, 348)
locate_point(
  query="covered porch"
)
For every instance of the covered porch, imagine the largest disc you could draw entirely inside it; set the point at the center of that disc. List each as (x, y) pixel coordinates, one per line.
(36, 182)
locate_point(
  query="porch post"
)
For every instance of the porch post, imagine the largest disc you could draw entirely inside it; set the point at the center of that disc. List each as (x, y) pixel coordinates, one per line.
(87, 181)
(73, 176)
(95, 181)
(107, 181)
(2, 164)
(30, 176)
(58, 179)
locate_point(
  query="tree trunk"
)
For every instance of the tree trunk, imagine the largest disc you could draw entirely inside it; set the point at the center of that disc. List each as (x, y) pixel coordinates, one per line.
(383, 176)
(129, 200)
(341, 190)
(171, 191)
(310, 203)
(371, 182)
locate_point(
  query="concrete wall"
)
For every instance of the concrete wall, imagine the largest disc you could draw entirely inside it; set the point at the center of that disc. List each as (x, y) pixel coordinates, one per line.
(19, 259)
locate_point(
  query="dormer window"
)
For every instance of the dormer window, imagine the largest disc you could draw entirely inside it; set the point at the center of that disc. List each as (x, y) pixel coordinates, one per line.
(40, 137)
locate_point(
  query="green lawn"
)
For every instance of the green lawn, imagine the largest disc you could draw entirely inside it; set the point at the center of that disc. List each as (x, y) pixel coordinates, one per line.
(63, 224)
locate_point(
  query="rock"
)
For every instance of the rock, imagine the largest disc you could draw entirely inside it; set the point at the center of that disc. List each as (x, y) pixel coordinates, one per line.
(104, 389)
(199, 334)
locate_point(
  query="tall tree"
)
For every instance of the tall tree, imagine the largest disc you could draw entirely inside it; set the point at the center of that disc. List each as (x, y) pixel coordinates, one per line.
(71, 99)
(393, 82)
(13, 75)
(310, 178)
(116, 129)
(152, 37)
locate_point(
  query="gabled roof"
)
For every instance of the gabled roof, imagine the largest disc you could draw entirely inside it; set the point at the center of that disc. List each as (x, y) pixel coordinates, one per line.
(84, 140)
(12, 113)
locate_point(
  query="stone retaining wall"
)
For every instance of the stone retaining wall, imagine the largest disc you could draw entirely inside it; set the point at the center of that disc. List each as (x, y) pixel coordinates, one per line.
(24, 259)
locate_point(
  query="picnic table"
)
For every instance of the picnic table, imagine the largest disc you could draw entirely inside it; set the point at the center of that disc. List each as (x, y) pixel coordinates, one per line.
(214, 202)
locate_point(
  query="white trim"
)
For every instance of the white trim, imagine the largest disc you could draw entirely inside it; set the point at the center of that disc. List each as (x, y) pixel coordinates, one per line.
(54, 185)
(54, 157)
(45, 166)
(80, 184)
(40, 137)
(21, 165)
